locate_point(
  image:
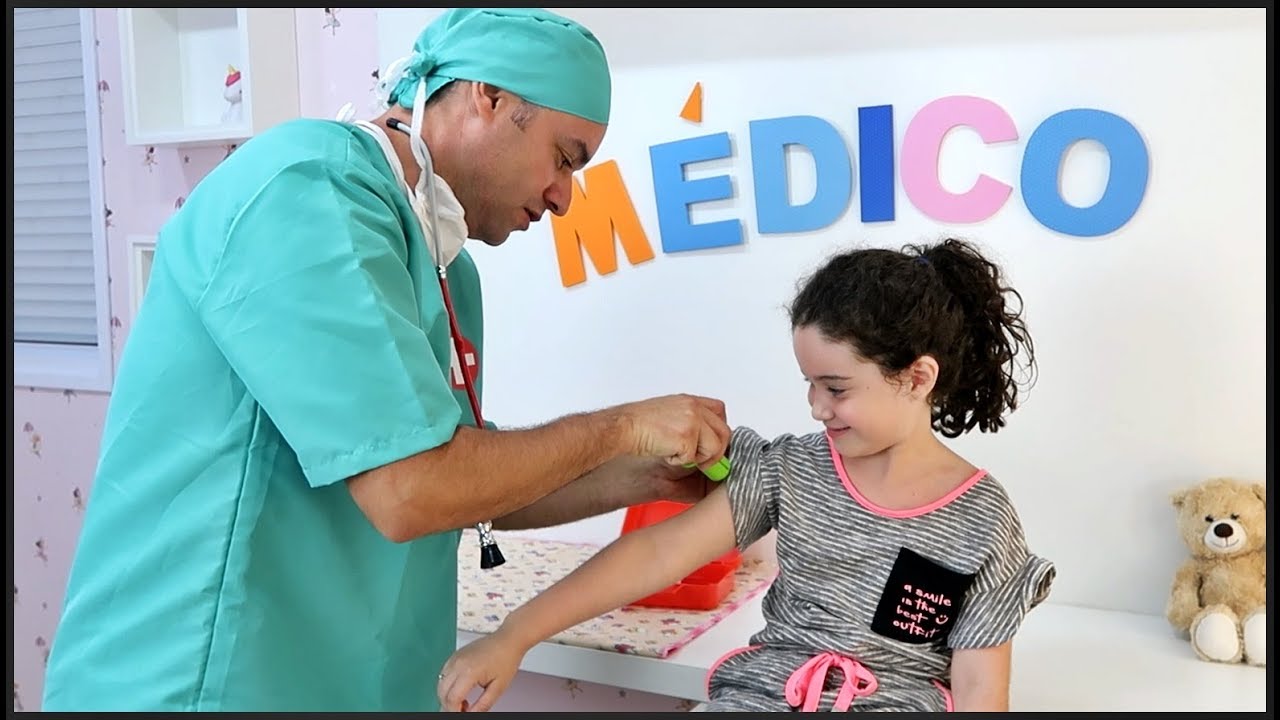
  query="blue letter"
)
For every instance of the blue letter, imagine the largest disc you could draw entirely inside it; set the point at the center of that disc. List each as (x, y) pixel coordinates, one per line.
(674, 194)
(834, 181)
(875, 153)
(1126, 183)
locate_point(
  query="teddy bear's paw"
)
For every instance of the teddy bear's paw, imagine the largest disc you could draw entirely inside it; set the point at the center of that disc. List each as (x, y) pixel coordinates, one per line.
(1215, 637)
(1255, 638)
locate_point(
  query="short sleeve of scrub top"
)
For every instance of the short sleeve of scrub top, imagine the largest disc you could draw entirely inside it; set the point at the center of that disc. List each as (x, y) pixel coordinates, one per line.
(314, 306)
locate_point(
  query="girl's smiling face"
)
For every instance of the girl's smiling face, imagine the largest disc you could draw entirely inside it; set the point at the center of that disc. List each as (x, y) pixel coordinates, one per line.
(863, 412)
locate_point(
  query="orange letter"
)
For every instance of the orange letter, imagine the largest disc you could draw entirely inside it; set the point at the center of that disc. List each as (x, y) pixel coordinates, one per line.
(591, 223)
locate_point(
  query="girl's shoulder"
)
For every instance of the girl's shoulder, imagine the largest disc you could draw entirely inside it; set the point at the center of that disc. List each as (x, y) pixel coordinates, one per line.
(989, 498)
(748, 440)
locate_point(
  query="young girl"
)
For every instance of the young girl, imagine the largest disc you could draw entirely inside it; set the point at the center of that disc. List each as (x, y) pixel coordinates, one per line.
(904, 573)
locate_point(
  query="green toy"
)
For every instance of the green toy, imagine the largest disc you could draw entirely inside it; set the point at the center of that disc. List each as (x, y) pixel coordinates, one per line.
(716, 472)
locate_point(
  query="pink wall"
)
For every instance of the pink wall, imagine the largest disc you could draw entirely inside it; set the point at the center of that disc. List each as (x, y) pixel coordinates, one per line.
(56, 432)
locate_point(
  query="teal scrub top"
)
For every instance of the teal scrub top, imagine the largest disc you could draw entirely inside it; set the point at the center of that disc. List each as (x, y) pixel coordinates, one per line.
(292, 335)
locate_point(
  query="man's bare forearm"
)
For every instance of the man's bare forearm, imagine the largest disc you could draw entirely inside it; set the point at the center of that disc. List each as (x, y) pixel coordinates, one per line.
(480, 474)
(612, 486)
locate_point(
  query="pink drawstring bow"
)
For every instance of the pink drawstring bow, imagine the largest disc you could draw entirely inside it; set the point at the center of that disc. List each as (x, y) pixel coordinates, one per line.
(806, 683)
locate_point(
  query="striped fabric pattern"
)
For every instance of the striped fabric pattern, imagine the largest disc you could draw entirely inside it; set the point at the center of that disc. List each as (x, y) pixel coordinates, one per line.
(896, 594)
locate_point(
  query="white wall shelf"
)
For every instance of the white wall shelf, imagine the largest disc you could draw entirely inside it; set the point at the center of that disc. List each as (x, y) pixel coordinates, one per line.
(174, 64)
(142, 249)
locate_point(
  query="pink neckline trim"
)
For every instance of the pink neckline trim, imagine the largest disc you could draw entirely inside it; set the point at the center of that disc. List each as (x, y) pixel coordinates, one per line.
(909, 512)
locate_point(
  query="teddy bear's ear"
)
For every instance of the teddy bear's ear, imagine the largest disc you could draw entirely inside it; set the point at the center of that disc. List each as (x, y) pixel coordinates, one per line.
(1261, 491)
(1179, 497)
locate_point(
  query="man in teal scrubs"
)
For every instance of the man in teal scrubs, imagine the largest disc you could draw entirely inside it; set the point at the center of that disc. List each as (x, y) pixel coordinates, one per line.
(289, 453)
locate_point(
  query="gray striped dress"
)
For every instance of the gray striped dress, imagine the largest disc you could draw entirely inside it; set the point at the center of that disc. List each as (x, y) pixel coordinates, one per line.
(869, 603)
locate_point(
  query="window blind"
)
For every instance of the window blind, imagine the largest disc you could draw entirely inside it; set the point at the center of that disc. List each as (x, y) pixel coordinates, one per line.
(54, 299)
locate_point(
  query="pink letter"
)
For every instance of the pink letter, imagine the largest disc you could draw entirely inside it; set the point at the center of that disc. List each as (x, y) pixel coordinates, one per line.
(922, 146)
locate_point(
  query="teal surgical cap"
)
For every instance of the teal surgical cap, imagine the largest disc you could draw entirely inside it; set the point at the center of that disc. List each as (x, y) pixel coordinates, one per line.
(544, 58)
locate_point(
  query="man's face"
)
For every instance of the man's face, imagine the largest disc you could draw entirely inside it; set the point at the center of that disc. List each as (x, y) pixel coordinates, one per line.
(519, 164)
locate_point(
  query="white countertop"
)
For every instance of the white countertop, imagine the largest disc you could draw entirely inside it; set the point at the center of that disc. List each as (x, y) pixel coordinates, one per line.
(1065, 659)
(1078, 659)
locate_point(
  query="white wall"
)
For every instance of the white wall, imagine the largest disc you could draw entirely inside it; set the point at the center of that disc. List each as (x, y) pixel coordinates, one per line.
(1150, 341)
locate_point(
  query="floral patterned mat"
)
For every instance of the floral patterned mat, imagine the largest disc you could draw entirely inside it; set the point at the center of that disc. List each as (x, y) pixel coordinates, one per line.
(486, 596)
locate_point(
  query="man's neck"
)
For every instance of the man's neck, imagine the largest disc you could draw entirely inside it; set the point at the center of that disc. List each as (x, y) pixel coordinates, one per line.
(400, 141)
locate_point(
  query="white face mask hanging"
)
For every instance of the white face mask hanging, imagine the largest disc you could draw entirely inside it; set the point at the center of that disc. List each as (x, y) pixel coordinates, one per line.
(438, 211)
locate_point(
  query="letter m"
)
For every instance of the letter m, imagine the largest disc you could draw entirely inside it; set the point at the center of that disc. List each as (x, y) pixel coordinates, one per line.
(594, 217)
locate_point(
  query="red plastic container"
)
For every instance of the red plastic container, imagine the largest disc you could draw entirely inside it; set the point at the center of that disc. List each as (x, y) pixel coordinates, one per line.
(704, 588)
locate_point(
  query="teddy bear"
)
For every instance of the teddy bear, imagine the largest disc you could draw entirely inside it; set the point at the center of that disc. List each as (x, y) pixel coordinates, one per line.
(1219, 594)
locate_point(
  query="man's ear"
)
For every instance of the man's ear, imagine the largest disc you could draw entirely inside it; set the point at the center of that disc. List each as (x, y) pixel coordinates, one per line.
(484, 99)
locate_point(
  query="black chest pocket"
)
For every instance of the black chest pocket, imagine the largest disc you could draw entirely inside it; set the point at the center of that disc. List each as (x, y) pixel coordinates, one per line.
(921, 600)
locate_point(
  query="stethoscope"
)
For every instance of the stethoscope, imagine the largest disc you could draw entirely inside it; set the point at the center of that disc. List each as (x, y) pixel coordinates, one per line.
(490, 555)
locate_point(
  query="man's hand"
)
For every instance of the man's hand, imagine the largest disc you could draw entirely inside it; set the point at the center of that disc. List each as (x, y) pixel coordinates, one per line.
(619, 483)
(679, 429)
(659, 436)
(635, 480)
(677, 484)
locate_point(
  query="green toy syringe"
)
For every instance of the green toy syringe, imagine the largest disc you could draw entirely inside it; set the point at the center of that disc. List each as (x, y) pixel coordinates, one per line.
(716, 472)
